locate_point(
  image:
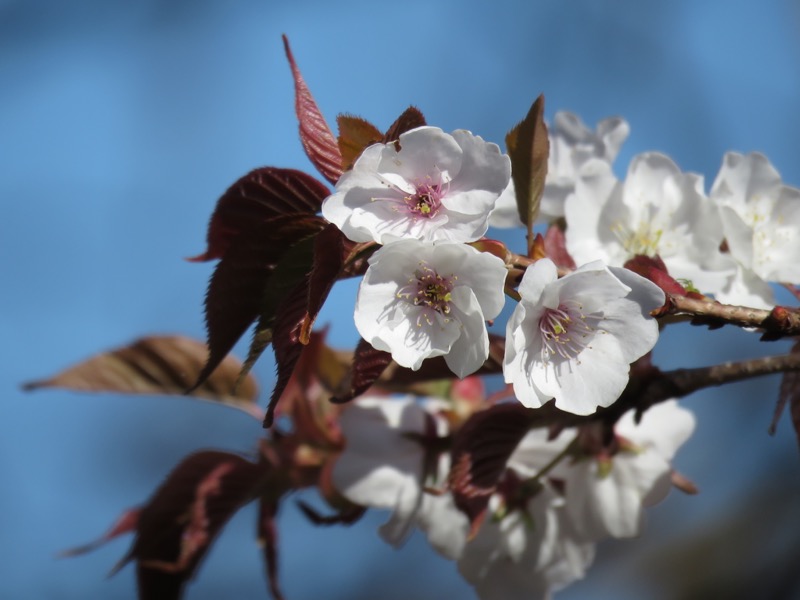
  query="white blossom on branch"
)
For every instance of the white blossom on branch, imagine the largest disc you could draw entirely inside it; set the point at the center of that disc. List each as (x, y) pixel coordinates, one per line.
(574, 338)
(424, 299)
(436, 186)
(761, 223)
(657, 210)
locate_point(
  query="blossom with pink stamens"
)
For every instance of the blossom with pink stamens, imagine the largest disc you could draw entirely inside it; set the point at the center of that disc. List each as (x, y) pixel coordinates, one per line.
(574, 338)
(430, 186)
(424, 299)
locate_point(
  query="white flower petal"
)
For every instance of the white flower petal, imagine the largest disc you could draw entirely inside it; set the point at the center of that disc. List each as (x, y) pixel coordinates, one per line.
(436, 187)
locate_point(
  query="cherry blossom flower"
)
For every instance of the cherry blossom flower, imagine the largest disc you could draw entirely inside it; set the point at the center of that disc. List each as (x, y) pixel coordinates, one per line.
(528, 553)
(436, 186)
(657, 210)
(390, 455)
(572, 144)
(424, 299)
(573, 338)
(761, 223)
(606, 491)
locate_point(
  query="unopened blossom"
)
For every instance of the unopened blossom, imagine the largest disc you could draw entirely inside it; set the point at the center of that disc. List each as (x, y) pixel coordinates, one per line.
(572, 144)
(761, 223)
(390, 455)
(436, 186)
(574, 338)
(418, 300)
(606, 490)
(657, 210)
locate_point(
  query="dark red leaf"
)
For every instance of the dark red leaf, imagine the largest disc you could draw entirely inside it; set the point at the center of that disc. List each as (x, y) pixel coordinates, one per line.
(126, 523)
(481, 449)
(158, 365)
(241, 279)
(410, 119)
(368, 365)
(654, 269)
(268, 536)
(178, 524)
(355, 136)
(315, 135)
(294, 266)
(330, 250)
(286, 341)
(789, 394)
(248, 206)
(555, 246)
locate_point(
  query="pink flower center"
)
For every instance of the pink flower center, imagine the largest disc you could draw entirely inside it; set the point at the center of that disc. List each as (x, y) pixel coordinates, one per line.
(430, 291)
(565, 330)
(424, 203)
(427, 200)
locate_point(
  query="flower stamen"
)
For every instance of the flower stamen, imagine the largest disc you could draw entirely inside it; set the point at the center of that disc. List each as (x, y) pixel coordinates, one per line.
(429, 290)
(565, 330)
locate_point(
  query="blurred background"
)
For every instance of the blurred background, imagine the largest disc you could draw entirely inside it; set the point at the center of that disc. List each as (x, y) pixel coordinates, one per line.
(122, 122)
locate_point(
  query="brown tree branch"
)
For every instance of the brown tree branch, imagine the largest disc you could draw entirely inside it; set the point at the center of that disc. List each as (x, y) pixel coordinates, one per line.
(651, 386)
(776, 323)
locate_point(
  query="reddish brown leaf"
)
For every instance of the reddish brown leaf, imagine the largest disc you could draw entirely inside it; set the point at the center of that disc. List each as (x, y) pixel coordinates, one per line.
(528, 148)
(410, 119)
(654, 269)
(355, 135)
(368, 365)
(537, 250)
(268, 537)
(157, 365)
(789, 394)
(178, 524)
(126, 523)
(315, 135)
(294, 266)
(286, 341)
(555, 247)
(481, 449)
(250, 204)
(242, 278)
(330, 250)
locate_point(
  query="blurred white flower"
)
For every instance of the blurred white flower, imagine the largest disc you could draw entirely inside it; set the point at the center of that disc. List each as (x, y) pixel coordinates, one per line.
(386, 463)
(657, 211)
(574, 338)
(761, 223)
(572, 144)
(437, 186)
(527, 554)
(423, 299)
(605, 493)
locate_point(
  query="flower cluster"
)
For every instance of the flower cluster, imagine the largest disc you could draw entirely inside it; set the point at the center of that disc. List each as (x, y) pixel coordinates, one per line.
(557, 499)
(427, 293)
(517, 486)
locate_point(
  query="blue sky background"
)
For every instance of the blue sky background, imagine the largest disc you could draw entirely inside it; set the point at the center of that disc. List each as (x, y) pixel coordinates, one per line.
(122, 122)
